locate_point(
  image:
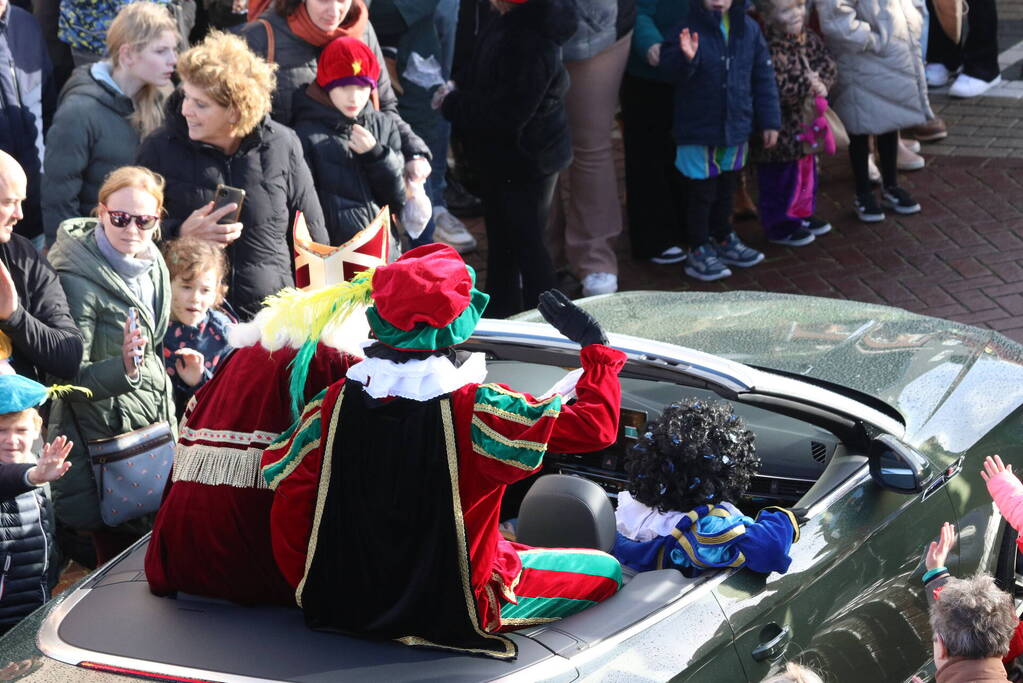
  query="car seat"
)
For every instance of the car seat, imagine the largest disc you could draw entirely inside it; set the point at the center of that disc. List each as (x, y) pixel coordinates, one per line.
(562, 511)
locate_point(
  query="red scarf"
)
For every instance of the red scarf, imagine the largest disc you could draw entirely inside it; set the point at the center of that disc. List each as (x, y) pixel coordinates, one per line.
(353, 25)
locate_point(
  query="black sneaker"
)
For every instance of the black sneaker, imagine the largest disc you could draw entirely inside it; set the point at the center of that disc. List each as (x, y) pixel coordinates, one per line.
(673, 254)
(799, 237)
(461, 202)
(899, 200)
(867, 208)
(816, 226)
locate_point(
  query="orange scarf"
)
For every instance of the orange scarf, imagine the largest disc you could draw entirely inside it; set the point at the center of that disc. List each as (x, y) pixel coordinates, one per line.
(353, 25)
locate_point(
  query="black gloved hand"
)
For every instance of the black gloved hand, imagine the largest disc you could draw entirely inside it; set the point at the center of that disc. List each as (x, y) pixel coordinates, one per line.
(569, 319)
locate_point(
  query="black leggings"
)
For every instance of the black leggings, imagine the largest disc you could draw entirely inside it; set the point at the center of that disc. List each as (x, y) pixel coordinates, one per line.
(887, 153)
(709, 208)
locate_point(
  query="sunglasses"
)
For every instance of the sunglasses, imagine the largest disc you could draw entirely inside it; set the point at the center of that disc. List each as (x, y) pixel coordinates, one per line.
(122, 219)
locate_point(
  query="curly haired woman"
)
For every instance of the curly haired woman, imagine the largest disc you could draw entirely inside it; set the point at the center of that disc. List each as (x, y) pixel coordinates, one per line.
(676, 513)
(218, 131)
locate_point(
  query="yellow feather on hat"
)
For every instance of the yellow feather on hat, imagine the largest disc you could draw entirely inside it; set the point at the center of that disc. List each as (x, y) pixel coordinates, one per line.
(294, 314)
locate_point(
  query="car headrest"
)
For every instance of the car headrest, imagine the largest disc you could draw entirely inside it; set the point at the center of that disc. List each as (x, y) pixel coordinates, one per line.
(560, 511)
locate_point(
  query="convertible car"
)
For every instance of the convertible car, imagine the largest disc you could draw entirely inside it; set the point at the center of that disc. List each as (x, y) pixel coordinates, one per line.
(871, 425)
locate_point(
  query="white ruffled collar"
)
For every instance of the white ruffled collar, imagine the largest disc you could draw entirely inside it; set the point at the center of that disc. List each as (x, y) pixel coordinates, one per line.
(641, 522)
(419, 380)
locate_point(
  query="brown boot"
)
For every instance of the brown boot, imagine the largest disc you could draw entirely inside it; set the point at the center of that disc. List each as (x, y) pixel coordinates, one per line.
(744, 208)
(933, 130)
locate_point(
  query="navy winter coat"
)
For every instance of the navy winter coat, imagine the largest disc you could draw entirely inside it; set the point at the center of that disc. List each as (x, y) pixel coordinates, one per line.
(728, 91)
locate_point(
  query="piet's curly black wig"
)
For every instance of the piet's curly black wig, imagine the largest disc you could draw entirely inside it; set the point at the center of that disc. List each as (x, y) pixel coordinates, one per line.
(697, 452)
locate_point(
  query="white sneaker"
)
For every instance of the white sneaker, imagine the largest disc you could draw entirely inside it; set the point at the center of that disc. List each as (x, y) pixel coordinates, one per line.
(968, 86)
(937, 75)
(451, 231)
(600, 283)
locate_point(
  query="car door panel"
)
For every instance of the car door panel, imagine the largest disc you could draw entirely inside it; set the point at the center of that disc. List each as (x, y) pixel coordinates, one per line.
(852, 600)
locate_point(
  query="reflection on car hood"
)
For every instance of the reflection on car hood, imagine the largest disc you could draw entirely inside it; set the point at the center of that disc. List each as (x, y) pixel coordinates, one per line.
(925, 368)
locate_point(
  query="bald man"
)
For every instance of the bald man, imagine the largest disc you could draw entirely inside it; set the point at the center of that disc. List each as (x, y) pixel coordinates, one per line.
(33, 309)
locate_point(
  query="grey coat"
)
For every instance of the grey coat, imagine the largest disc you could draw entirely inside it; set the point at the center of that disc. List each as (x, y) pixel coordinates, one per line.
(296, 60)
(90, 137)
(876, 43)
(601, 24)
(99, 299)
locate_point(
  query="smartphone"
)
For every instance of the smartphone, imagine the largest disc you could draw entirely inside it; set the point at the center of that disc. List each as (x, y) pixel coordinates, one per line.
(226, 194)
(133, 324)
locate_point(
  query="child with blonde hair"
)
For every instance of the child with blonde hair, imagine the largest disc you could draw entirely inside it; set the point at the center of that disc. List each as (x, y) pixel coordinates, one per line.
(28, 557)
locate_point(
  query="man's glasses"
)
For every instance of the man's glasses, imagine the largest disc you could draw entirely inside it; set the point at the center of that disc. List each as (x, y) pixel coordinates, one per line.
(122, 219)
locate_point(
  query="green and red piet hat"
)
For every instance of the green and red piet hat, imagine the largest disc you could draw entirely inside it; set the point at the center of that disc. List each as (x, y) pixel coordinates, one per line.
(426, 300)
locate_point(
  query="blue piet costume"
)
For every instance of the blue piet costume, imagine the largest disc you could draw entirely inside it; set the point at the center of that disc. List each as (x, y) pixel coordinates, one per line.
(713, 537)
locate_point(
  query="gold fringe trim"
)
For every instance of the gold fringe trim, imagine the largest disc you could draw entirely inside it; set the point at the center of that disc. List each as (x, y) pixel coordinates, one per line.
(217, 466)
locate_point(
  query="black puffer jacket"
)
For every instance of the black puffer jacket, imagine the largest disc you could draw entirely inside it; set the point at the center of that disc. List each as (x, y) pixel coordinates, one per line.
(510, 103)
(45, 337)
(296, 60)
(26, 540)
(353, 187)
(270, 167)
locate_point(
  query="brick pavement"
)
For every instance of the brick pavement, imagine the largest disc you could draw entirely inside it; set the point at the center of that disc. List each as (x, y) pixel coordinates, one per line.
(961, 258)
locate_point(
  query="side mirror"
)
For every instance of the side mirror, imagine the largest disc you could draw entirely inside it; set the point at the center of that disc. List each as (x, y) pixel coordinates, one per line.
(894, 466)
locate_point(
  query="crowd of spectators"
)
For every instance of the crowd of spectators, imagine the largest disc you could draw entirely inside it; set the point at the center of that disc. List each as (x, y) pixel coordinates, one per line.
(120, 273)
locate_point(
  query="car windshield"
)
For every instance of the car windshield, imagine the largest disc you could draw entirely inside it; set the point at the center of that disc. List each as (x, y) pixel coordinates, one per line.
(909, 362)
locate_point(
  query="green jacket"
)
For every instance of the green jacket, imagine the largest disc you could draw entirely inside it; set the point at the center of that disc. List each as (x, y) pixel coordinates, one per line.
(99, 300)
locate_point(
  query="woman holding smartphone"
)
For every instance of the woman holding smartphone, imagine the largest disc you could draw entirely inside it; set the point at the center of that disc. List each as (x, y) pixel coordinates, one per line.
(218, 132)
(119, 295)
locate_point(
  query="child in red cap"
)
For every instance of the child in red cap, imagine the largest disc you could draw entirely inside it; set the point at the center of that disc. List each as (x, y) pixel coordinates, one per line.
(353, 151)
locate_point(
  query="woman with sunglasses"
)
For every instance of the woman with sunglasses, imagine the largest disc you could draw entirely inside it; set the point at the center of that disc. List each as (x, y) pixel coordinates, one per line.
(111, 271)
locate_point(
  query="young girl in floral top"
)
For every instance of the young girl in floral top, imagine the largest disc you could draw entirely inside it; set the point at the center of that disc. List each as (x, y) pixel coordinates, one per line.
(196, 339)
(787, 176)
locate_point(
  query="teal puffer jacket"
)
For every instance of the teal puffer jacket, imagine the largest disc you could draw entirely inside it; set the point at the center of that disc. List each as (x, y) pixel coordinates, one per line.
(99, 300)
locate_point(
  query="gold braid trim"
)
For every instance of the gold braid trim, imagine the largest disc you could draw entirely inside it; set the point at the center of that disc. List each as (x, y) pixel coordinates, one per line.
(321, 494)
(508, 648)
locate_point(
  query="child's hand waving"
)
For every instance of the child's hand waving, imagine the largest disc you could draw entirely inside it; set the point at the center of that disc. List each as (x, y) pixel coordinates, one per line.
(937, 551)
(993, 465)
(189, 364)
(689, 43)
(52, 463)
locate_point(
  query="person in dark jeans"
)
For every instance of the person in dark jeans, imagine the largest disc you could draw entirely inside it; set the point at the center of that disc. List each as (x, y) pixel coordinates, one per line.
(656, 203)
(510, 108)
(977, 54)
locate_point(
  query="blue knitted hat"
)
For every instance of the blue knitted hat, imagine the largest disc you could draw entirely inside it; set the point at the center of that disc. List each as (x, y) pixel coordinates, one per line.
(19, 393)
